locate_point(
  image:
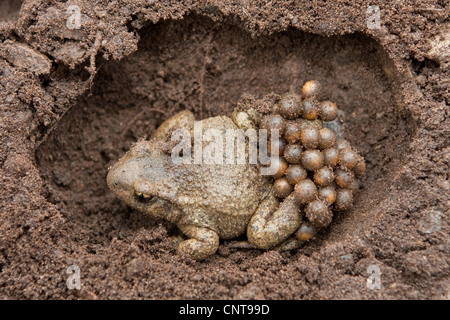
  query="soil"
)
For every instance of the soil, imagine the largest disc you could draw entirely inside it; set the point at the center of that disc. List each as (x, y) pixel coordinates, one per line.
(74, 100)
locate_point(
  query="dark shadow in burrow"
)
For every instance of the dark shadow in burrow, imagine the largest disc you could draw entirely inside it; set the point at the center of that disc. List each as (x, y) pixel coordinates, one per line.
(9, 10)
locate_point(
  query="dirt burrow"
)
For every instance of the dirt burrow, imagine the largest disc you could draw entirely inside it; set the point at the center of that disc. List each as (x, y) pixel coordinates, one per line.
(74, 101)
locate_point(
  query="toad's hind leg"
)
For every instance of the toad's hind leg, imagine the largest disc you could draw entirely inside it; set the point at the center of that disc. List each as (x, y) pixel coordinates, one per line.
(203, 243)
(273, 222)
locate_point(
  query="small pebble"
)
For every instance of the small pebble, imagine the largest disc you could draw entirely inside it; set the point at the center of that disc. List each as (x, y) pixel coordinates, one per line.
(273, 121)
(293, 132)
(342, 144)
(344, 199)
(305, 191)
(360, 167)
(347, 158)
(293, 153)
(324, 176)
(290, 106)
(278, 147)
(318, 214)
(282, 188)
(328, 111)
(311, 89)
(312, 160)
(327, 138)
(327, 194)
(330, 157)
(354, 186)
(295, 174)
(310, 109)
(281, 164)
(310, 137)
(343, 178)
(306, 231)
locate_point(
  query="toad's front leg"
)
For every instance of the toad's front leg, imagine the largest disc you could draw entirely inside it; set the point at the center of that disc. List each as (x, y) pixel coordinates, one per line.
(203, 242)
(274, 222)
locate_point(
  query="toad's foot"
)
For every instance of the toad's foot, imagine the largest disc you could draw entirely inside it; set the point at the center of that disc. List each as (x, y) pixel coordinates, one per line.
(203, 242)
(273, 222)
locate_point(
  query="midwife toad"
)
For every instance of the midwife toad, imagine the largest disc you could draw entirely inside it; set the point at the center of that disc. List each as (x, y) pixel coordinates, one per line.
(207, 202)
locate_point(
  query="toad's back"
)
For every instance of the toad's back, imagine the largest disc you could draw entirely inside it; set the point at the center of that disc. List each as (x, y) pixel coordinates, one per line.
(223, 196)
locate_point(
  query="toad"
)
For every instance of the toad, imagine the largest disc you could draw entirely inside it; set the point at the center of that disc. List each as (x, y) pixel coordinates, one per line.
(207, 202)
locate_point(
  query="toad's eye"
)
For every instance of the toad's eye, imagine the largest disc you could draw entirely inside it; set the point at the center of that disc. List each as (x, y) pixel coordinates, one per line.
(143, 197)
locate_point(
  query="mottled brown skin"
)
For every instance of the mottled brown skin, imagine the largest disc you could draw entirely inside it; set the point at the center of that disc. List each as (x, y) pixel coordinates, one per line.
(206, 202)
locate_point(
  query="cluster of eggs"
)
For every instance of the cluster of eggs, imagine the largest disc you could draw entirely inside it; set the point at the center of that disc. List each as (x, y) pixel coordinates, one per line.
(320, 170)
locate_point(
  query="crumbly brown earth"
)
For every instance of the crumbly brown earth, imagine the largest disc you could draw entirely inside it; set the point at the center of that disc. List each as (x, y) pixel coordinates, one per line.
(74, 100)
